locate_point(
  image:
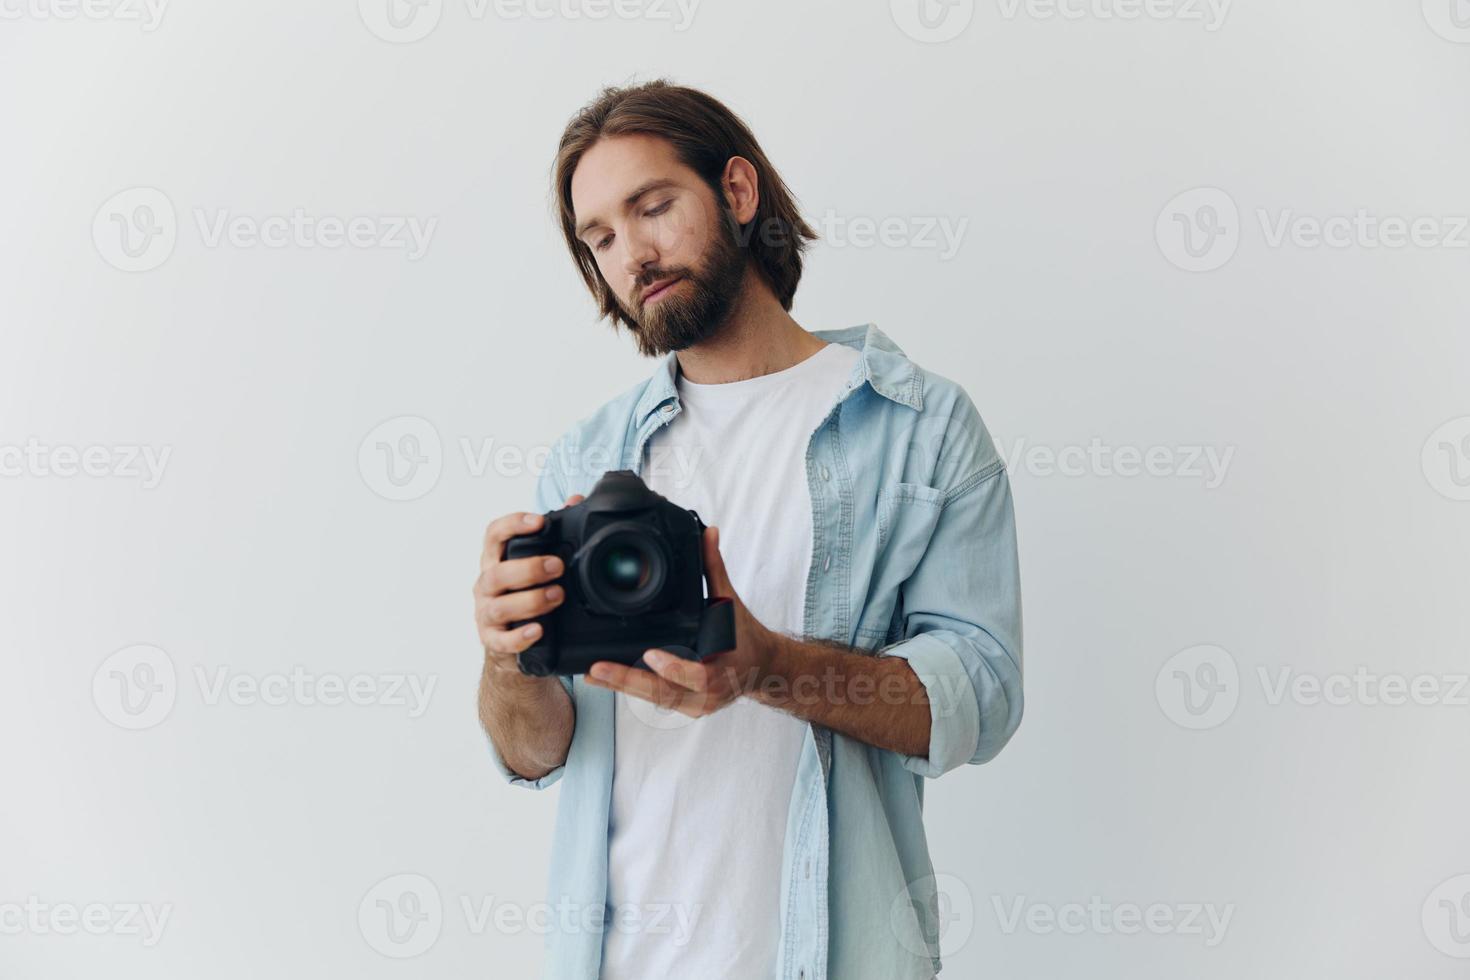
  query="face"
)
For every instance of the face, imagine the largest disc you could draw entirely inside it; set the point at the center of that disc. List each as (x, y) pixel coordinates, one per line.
(661, 242)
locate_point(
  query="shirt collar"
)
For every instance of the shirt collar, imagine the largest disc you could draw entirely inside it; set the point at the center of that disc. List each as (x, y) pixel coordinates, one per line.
(882, 365)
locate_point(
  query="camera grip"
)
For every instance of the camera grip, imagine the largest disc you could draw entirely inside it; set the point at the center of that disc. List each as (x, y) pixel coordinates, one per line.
(716, 634)
(716, 628)
(538, 659)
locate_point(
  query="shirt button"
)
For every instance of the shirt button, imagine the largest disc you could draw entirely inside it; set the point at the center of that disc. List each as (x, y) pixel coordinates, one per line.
(826, 563)
(826, 473)
(808, 867)
(668, 410)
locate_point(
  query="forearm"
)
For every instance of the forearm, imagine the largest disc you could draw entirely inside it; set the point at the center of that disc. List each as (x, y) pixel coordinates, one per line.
(530, 719)
(877, 700)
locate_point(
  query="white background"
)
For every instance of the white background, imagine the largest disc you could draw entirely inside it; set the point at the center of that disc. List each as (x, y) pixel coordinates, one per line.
(1334, 834)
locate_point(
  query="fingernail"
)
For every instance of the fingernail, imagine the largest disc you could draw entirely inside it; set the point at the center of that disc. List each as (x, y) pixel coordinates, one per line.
(554, 593)
(552, 565)
(532, 631)
(598, 672)
(654, 658)
(530, 519)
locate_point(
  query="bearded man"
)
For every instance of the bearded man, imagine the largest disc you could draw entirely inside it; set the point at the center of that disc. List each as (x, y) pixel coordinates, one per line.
(757, 814)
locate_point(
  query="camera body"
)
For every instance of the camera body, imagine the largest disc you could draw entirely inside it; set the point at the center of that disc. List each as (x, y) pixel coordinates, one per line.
(634, 580)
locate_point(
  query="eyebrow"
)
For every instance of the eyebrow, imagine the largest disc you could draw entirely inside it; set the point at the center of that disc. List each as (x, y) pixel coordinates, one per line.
(643, 189)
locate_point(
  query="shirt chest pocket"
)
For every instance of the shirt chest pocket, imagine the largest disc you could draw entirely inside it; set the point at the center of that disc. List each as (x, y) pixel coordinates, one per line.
(907, 516)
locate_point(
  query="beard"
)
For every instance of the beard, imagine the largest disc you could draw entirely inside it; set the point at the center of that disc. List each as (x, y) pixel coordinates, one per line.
(702, 305)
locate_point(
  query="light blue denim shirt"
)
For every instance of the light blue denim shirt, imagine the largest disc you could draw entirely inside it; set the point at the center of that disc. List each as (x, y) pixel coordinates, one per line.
(913, 556)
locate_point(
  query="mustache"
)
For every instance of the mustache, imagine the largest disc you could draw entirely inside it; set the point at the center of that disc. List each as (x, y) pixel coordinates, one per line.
(654, 275)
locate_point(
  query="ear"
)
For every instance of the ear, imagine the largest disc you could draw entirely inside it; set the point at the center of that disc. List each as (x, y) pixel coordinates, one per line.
(741, 183)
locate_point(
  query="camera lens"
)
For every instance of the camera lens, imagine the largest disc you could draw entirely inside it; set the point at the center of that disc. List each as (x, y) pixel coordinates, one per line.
(624, 569)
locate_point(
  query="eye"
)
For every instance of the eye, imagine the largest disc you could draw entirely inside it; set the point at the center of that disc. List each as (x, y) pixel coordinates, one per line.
(602, 243)
(661, 209)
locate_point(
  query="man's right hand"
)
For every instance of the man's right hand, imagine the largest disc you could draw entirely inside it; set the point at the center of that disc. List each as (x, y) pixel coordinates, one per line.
(515, 590)
(530, 719)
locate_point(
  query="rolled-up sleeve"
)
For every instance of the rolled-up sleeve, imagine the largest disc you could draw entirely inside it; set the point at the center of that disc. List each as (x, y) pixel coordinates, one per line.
(549, 496)
(962, 625)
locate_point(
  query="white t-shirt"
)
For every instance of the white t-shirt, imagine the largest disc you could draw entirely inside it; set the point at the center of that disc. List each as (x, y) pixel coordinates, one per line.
(698, 819)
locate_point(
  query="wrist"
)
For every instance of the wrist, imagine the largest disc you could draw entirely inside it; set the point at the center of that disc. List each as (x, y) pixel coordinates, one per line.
(503, 674)
(773, 656)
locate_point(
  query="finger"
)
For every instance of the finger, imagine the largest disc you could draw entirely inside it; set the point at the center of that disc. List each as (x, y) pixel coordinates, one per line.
(519, 573)
(526, 604)
(508, 643)
(637, 683)
(714, 565)
(504, 528)
(688, 674)
(574, 499)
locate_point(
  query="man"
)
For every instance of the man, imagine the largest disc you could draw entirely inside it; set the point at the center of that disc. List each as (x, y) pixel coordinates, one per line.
(759, 814)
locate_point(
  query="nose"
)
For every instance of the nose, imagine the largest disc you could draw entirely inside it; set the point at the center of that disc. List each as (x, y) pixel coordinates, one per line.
(641, 252)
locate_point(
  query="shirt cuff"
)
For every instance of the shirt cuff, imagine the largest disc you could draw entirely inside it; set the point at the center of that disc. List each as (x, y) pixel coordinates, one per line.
(515, 779)
(954, 712)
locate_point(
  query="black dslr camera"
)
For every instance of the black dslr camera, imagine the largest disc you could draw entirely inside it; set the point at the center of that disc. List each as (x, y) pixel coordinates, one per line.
(634, 580)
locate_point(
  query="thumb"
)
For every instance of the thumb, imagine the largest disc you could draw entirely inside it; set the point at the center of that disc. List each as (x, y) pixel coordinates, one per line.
(714, 565)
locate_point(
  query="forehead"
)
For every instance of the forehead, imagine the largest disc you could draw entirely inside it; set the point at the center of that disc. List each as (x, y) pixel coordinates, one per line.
(615, 166)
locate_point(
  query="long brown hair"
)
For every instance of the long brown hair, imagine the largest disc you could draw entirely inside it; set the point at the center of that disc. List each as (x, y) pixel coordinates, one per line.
(705, 134)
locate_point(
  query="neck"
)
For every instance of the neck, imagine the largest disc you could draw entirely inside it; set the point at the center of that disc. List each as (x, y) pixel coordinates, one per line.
(757, 338)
